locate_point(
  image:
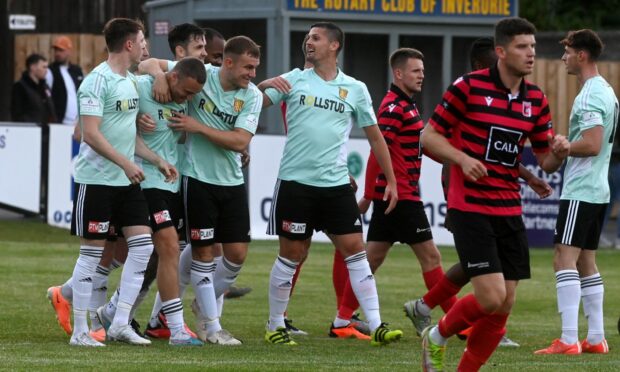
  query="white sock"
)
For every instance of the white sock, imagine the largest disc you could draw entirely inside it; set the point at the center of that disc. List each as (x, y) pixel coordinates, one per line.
(422, 308)
(364, 287)
(568, 289)
(220, 305)
(592, 292)
(202, 281)
(185, 266)
(139, 251)
(173, 309)
(67, 290)
(157, 304)
(110, 307)
(225, 275)
(82, 285)
(339, 322)
(436, 337)
(99, 295)
(280, 283)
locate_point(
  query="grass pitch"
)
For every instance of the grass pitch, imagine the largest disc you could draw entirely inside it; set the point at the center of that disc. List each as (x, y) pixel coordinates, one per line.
(34, 256)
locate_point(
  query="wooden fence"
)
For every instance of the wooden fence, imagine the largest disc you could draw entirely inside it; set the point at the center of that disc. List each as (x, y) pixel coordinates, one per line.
(88, 50)
(560, 88)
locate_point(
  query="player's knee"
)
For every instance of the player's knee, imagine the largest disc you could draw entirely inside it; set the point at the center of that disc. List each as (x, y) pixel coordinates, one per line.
(492, 299)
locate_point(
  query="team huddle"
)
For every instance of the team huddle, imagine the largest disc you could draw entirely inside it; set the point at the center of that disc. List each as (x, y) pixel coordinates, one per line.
(160, 190)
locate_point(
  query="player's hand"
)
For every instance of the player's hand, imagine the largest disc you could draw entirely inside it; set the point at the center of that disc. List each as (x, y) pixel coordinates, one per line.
(363, 204)
(168, 170)
(390, 194)
(245, 158)
(353, 183)
(472, 168)
(278, 83)
(559, 144)
(185, 123)
(540, 187)
(146, 124)
(161, 90)
(133, 172)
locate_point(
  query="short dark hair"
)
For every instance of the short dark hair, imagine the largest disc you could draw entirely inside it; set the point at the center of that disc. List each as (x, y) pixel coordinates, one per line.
(400, 56)
(506, 29)
(182, 34)
(211, 34)
(482, 51)
(191, 67)
(240, 45)
(33, 59)
(117, 30)
(585, 39)
(334, 33)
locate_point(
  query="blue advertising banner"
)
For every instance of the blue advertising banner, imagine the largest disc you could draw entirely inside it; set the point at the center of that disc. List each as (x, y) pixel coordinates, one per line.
(539, 215)
(426, 8)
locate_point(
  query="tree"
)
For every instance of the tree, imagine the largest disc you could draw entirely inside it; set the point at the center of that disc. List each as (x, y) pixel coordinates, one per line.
(559, 15)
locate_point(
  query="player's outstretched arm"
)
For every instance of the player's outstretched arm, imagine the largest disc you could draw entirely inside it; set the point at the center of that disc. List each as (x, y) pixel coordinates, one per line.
(157, 69)
(92, 136)
(236, 140)
(382, 154)
(167, 169)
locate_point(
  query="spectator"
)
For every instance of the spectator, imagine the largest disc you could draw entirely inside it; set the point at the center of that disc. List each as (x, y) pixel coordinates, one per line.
(31, 98)
(64, 78)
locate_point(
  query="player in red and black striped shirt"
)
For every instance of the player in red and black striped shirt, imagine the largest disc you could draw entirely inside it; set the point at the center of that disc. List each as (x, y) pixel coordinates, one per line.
(490, 114)
(401, 126)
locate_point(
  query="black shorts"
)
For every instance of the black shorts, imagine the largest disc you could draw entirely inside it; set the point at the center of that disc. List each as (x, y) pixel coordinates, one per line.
(406, 223)
(491, 244)
(165, 209)
(96, 205)
(299, 209)
(579, 224)
(215, 214)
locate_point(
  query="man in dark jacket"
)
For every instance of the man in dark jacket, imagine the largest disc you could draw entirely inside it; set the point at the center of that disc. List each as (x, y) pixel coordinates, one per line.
(64, 78)
(31, 99)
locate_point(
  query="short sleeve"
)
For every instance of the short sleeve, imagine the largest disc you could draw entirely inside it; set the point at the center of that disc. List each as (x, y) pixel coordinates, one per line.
(92, 95)
(364, 113)
(250, 111)
(544, 126)
(276, 96)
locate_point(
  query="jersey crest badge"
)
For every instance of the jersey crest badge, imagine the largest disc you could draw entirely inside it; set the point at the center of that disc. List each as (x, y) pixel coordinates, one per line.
(343, 93)
(237, 105)
(526, 109)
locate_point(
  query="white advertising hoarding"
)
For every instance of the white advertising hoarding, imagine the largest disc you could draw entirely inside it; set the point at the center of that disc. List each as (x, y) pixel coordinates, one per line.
(20, 166)
(62, 149)
(266, 152)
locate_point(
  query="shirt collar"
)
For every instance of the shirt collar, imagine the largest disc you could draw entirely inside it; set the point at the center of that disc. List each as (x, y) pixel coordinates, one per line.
(399, 92)
(494, 74)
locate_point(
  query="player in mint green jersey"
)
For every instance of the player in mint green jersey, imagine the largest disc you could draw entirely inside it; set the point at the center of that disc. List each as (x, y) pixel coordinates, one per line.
(313, 190)
(584, 199)
(107, 180)
(163, 198)
(224, 117)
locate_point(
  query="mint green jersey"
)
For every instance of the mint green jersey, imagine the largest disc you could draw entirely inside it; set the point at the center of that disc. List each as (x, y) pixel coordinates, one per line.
(113, 98)
(163, 140)
(585, 179)
(319, 117)
(226, 111)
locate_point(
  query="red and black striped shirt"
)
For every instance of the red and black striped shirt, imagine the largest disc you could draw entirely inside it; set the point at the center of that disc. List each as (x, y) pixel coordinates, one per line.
(401, 126)
(491, 126)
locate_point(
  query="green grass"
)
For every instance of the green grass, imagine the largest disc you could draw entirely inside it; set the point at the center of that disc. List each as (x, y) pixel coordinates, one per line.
(34, 256)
